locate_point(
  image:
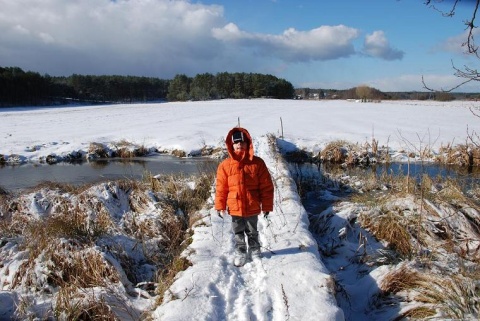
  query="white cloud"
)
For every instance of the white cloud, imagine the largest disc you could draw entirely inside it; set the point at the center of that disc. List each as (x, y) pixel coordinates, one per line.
(158, 38)
(323, 43)
(457, 44)
(146, 37)
(377, 45)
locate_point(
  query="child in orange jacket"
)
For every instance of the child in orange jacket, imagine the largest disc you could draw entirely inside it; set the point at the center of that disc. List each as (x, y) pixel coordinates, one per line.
(244, 189)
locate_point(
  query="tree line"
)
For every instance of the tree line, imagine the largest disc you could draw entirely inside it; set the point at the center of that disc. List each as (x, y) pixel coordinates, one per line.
(228, 85)
(366, 93)
(19, 88)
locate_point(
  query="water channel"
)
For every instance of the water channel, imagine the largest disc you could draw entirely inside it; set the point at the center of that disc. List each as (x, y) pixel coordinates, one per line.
(28, 175)
(19, 177)
(466, 175)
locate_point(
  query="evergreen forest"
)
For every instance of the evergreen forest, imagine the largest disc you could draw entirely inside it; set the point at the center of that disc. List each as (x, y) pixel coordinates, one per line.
(27, 88)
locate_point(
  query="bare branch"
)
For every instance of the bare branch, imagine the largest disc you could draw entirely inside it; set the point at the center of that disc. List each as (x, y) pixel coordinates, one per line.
(468, 73)
(472, 48)
(450, 13)
(473, 137)
(474, 113)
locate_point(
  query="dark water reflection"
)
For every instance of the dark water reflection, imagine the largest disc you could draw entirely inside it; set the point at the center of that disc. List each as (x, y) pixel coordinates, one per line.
(432, 170)
(29, 175)
(466, 175)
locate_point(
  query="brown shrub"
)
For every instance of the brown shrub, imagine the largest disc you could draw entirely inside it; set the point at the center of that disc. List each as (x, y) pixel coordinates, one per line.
(178, 153)
(335, 152)
(97, 149)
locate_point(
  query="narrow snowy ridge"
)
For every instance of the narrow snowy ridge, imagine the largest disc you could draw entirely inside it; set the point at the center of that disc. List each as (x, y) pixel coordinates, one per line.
(289, 283)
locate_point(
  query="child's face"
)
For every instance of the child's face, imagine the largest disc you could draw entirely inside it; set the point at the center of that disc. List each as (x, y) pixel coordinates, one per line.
(240, 146)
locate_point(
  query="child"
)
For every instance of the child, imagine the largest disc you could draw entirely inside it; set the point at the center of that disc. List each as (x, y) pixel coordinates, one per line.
(244, 189)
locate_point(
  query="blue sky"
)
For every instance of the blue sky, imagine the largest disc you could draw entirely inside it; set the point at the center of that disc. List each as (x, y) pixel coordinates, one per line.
(386, 44)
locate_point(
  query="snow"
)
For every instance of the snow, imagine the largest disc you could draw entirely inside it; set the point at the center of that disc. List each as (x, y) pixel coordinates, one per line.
(294, 280)
(32, 133)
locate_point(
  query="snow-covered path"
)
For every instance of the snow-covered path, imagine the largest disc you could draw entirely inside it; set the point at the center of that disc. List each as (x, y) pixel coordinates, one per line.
(289, 283)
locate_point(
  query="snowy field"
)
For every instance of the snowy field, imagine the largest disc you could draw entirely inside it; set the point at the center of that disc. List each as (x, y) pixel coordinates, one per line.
(292, 281)
(32, 133)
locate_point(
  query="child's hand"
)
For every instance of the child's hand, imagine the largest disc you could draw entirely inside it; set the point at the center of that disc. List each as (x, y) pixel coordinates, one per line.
(265, 215)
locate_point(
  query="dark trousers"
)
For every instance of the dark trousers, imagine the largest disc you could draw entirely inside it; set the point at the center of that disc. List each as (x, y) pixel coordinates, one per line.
(245, 226)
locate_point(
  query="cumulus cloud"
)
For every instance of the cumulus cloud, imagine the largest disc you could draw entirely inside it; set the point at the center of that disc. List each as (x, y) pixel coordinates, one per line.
(377, 45)
(323, 43)
(160, 38)
(147, 37)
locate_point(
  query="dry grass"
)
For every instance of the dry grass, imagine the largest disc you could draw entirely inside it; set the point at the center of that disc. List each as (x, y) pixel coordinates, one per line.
(63, 242)
(86, 220)
(418, 313)
(400, 280)
(126, 149)
(454, 295)
(343, 152)
(85, 268)
(450, 191)
(7, 204)
(180, 202)
(65, 263)
(335, 152)
(371, 199)
(391, 227)
(386, 182)
(375, 187)
(462, 154)
(122, 149)
(63, 218)
(167, 275)
(178, 153)
(125, 153)
(98, 150)
(72, 304)
(178, 195)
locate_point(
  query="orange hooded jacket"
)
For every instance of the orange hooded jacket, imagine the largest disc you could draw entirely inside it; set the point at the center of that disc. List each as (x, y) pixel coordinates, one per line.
(244, 186)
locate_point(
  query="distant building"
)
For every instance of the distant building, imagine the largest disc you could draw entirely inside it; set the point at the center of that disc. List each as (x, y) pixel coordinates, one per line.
(307, 93)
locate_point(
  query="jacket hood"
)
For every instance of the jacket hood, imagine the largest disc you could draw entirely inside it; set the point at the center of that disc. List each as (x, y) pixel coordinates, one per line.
(248, 138)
